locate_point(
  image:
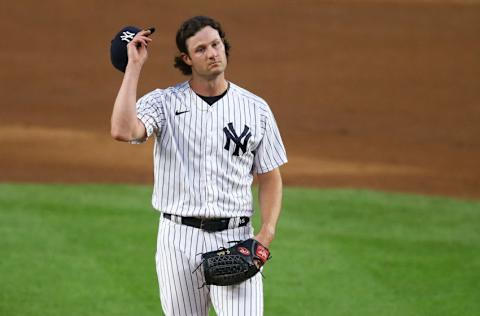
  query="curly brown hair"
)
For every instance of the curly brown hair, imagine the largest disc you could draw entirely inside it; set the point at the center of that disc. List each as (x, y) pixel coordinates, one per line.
(188, 29)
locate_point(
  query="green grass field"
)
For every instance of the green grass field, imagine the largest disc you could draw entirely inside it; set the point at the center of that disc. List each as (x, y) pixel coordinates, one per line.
(89, 250)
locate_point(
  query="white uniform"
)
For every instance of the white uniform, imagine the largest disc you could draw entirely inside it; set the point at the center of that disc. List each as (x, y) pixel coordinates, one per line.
(205, 157)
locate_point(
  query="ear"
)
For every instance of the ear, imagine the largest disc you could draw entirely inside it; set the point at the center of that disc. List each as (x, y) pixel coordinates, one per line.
(186, 59)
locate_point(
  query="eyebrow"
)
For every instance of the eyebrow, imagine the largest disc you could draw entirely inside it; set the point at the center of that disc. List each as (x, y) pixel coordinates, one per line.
(203, 44)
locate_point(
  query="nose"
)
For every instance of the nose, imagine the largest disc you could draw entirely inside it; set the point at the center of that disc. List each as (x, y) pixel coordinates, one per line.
(211, 52)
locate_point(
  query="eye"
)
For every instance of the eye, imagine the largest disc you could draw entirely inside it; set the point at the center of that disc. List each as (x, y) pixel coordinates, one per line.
(200, 49)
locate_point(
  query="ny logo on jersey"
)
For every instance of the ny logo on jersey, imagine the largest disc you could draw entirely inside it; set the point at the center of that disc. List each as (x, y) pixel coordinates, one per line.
(127, 36)
(232, 136)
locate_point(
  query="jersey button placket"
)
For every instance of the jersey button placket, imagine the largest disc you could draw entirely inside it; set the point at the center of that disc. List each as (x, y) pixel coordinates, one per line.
(209, 158)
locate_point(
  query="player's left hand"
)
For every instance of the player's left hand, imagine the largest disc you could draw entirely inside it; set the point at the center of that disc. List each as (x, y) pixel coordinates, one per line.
(235, 264)
(264, 237)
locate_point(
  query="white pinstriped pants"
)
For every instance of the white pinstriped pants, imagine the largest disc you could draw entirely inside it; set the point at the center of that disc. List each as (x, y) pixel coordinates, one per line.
(178, 254)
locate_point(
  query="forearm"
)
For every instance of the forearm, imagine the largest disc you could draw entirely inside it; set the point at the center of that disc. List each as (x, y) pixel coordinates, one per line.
(270, 200)
(125, 125)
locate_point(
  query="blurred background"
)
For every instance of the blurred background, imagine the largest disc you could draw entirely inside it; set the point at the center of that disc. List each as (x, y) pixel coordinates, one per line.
(367, 94)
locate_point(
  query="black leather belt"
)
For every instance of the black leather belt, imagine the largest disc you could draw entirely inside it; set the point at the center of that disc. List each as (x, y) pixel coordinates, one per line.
(209, 224)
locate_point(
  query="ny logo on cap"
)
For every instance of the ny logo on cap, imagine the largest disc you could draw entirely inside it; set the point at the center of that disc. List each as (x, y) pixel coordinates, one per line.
(127, 36)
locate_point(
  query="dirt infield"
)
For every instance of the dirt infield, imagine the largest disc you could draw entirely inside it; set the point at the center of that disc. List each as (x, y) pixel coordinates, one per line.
(367, 94)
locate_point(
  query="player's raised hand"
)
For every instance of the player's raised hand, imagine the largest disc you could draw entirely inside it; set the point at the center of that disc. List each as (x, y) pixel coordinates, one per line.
(137, 48)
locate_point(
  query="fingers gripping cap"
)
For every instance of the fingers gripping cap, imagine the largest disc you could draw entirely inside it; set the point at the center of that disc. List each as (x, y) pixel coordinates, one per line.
(118, 48)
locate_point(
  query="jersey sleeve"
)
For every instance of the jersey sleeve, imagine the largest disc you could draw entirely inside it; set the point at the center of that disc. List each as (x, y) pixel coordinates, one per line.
(270, 152)
(150, 112)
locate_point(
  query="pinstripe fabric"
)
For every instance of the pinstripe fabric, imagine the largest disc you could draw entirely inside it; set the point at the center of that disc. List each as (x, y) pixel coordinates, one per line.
(205, 158)
(178, 249)
(194, 175)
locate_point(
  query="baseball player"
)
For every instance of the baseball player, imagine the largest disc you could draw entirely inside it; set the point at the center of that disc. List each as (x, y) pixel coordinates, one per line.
(211, 138)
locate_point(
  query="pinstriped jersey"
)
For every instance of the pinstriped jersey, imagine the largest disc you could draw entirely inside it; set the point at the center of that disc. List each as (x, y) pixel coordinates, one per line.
(205, 156)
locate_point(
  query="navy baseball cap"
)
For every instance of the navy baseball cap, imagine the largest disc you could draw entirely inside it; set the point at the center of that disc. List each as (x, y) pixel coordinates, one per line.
(118, 48)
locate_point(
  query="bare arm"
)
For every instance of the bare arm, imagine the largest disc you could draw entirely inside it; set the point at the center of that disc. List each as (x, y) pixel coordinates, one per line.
(270, 198)
(125, 126)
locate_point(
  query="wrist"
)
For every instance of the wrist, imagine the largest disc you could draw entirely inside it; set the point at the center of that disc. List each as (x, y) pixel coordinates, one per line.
(268, 230)
(133, 68)
(266, 236)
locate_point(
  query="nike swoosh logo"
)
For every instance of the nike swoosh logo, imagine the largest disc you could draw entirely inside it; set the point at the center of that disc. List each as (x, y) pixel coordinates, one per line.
(178, 113)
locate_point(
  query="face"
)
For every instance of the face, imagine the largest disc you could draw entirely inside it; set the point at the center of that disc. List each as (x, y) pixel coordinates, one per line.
(206, 53)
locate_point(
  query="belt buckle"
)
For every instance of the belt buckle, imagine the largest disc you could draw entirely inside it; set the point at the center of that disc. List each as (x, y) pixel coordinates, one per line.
(201, 223)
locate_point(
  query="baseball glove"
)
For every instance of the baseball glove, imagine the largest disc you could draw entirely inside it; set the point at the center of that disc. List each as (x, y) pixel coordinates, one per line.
(234, 265)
